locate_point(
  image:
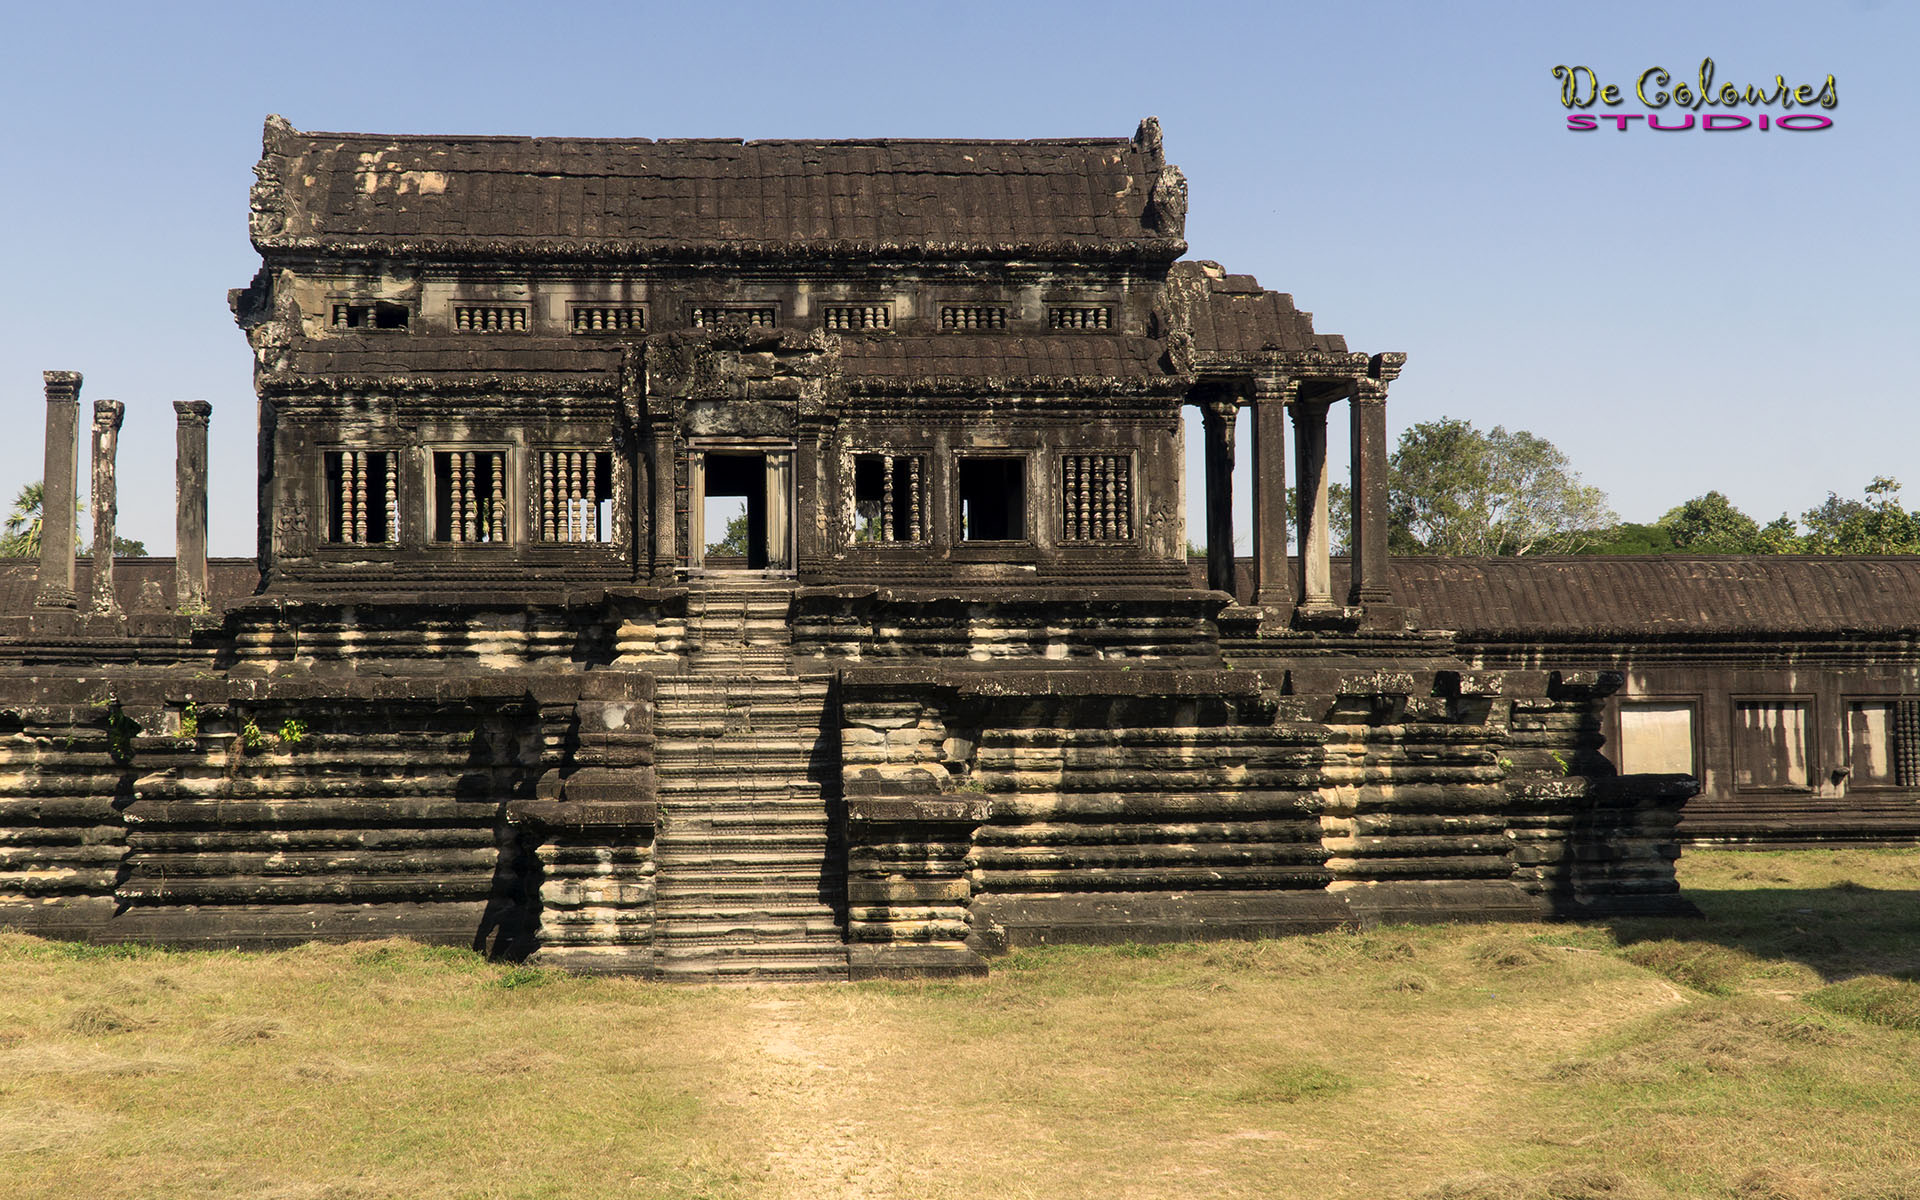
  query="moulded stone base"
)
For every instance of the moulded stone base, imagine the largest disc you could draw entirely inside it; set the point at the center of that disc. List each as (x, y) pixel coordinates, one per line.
(911, 961)
(254, 926)
(1438, 902)
(1004, 922)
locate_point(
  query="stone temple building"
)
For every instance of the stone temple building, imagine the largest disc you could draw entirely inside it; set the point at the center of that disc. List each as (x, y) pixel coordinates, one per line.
(491, 680)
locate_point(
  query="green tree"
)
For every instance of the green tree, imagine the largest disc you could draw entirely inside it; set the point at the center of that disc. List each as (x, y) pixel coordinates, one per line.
(1710, 524)
(1457, 490)
(734, 540)
(1631, 538)
(1875, 525)
(20, 536)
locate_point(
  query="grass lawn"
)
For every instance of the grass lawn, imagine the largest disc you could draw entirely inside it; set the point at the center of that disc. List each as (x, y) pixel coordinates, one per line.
(1771, 1050)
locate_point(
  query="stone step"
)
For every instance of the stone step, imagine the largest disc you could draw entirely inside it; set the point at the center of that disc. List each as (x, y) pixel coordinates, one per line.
(724, 971)
(728, 884)
(769, 907)
(710, 929)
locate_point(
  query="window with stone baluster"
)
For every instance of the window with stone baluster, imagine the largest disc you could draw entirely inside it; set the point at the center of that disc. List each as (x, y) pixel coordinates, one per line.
(889, 498)
(1096, 498)
(363, 497)
(574, 490)
(470, 496)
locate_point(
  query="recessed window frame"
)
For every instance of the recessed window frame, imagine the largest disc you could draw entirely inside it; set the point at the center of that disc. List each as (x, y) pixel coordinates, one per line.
(1129, 504)
(960, 459)
(1061, 320)
(1810, 747)
(901, 541)
(523, 308)
(639, 325)
(1691, 702)
(701, 314)
(508, 499)
(375, 308)
(1009, 316)
(604, 465)
(883, 307)
(328, 484)
(1896, 780)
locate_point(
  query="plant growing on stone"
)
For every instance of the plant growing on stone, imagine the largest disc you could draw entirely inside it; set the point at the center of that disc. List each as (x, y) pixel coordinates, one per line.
(251, 737)
(190, 722)
(293, 732)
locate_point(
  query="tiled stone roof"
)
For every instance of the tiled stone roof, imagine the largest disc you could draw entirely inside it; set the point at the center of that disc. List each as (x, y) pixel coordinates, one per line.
(351, 192)
(1233, 314)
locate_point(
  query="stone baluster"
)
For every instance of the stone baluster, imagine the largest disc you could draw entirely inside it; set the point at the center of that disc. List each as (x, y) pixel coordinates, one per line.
(57, 485)
(393, 496)
(497, 508)
(190, 505)
(886, 497)
(107, 416)
(913, 487)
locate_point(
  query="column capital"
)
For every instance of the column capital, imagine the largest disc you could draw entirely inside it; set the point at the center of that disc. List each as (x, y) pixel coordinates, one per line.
(1222, 406)
(1272, 385)
(63, 387)
(107, 415)
(192, 412)
(1369, 391)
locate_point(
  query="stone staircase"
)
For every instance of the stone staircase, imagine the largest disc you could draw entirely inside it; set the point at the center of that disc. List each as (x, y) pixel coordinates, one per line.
(751, 883)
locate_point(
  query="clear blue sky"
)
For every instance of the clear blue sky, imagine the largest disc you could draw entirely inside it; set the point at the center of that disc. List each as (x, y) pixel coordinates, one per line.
(1677, 311)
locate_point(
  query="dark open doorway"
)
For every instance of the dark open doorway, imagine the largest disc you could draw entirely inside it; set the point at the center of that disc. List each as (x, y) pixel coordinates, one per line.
(736, 486)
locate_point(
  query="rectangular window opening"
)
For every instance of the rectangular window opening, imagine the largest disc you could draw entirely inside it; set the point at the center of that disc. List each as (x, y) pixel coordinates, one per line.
(1096, 498)
(889, 498)
(1656, 737)
(1770, 744)
(993, 499)
(363, 501)
(606, 318)
(737, 316)
(840, 318)
(490, 318)
(958, 317)
(469, 496)
(1091, 317)
(379, 314)
(576, 495)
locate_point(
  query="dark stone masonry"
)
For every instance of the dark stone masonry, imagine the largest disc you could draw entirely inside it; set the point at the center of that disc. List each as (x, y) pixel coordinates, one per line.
(494, 681)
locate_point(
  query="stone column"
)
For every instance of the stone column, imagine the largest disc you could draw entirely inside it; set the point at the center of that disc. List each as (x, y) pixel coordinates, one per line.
(190, 505)
(1370, 497)
(1271, 586)
(1310, 450)
(57, 490)
(664, 518)
(107, 416)
(1217, 415)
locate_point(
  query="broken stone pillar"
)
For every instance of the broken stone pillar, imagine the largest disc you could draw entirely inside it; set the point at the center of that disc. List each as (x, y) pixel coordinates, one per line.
(1370, 498)
(57, 490)
(1310, 449)
(107, 416)
(190, 505)
(1271, 586)
(1217, 417)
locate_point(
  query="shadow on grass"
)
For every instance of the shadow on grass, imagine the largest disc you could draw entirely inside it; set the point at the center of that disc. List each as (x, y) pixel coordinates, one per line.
(1839, 932)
